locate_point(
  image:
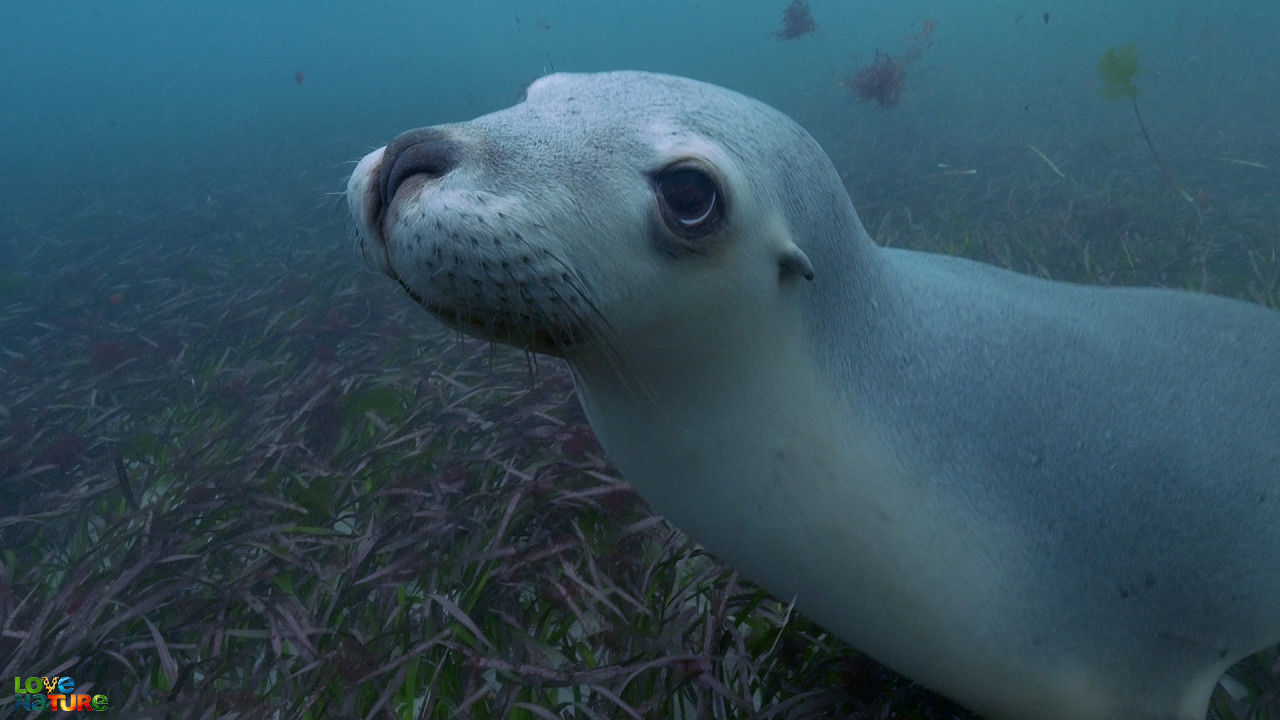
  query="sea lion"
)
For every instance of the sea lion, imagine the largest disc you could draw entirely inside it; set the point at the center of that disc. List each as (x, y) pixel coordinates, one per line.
(1044, 500)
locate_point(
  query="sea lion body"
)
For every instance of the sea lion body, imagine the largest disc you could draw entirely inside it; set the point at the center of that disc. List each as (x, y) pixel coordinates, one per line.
(1043, 500)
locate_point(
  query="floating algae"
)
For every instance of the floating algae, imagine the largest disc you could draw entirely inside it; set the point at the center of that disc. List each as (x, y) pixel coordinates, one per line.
(1117, 68)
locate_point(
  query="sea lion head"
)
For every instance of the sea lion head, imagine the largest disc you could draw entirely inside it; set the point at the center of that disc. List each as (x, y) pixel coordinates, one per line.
(600, 204)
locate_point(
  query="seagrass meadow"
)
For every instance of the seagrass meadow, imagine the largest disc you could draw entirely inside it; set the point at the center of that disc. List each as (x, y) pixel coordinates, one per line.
(246, 478)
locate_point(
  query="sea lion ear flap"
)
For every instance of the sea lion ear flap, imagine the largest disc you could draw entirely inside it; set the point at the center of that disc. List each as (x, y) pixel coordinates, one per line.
(793, 262)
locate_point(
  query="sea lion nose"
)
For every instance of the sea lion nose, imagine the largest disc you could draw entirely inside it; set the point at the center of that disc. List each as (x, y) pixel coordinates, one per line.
(425, 151)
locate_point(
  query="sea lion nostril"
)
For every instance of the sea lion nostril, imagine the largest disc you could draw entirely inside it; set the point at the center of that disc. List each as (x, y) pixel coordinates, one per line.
(425, 151)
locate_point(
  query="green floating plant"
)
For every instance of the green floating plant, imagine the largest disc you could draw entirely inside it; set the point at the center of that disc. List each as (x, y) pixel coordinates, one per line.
(1117, 68)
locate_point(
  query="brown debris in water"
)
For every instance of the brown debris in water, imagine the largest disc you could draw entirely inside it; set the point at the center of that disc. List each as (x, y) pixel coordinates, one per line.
(797, 20)
(882, 81)
(886, 77)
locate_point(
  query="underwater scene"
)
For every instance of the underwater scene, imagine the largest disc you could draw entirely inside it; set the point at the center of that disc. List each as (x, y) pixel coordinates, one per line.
(243, 475)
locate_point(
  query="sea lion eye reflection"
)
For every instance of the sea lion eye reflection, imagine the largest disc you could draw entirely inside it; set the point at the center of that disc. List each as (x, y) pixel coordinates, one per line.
(1044, 500)
(689, 200)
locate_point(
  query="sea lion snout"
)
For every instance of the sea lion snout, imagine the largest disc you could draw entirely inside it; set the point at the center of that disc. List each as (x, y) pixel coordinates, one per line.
(473, 255)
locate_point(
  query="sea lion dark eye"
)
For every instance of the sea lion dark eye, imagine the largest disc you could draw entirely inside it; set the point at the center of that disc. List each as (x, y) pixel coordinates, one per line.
(690, 201)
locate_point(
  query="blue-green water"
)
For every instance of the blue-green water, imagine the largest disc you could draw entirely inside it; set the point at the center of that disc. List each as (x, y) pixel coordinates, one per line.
(101, 96)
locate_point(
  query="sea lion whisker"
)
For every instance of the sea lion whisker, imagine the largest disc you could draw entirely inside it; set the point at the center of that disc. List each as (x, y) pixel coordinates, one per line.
(574, 279)
(605, 333)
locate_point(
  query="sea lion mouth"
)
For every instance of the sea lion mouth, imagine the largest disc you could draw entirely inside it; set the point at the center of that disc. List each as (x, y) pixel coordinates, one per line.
(552, 327)
(521, 331)
(524, 332)
(532, 308)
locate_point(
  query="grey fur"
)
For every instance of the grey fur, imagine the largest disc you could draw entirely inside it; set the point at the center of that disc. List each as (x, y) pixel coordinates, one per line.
(1073, 492)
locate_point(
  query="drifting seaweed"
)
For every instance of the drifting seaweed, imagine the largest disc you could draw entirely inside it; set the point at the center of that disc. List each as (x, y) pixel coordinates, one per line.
(797, 20)
(882, 81)
(885, 79)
